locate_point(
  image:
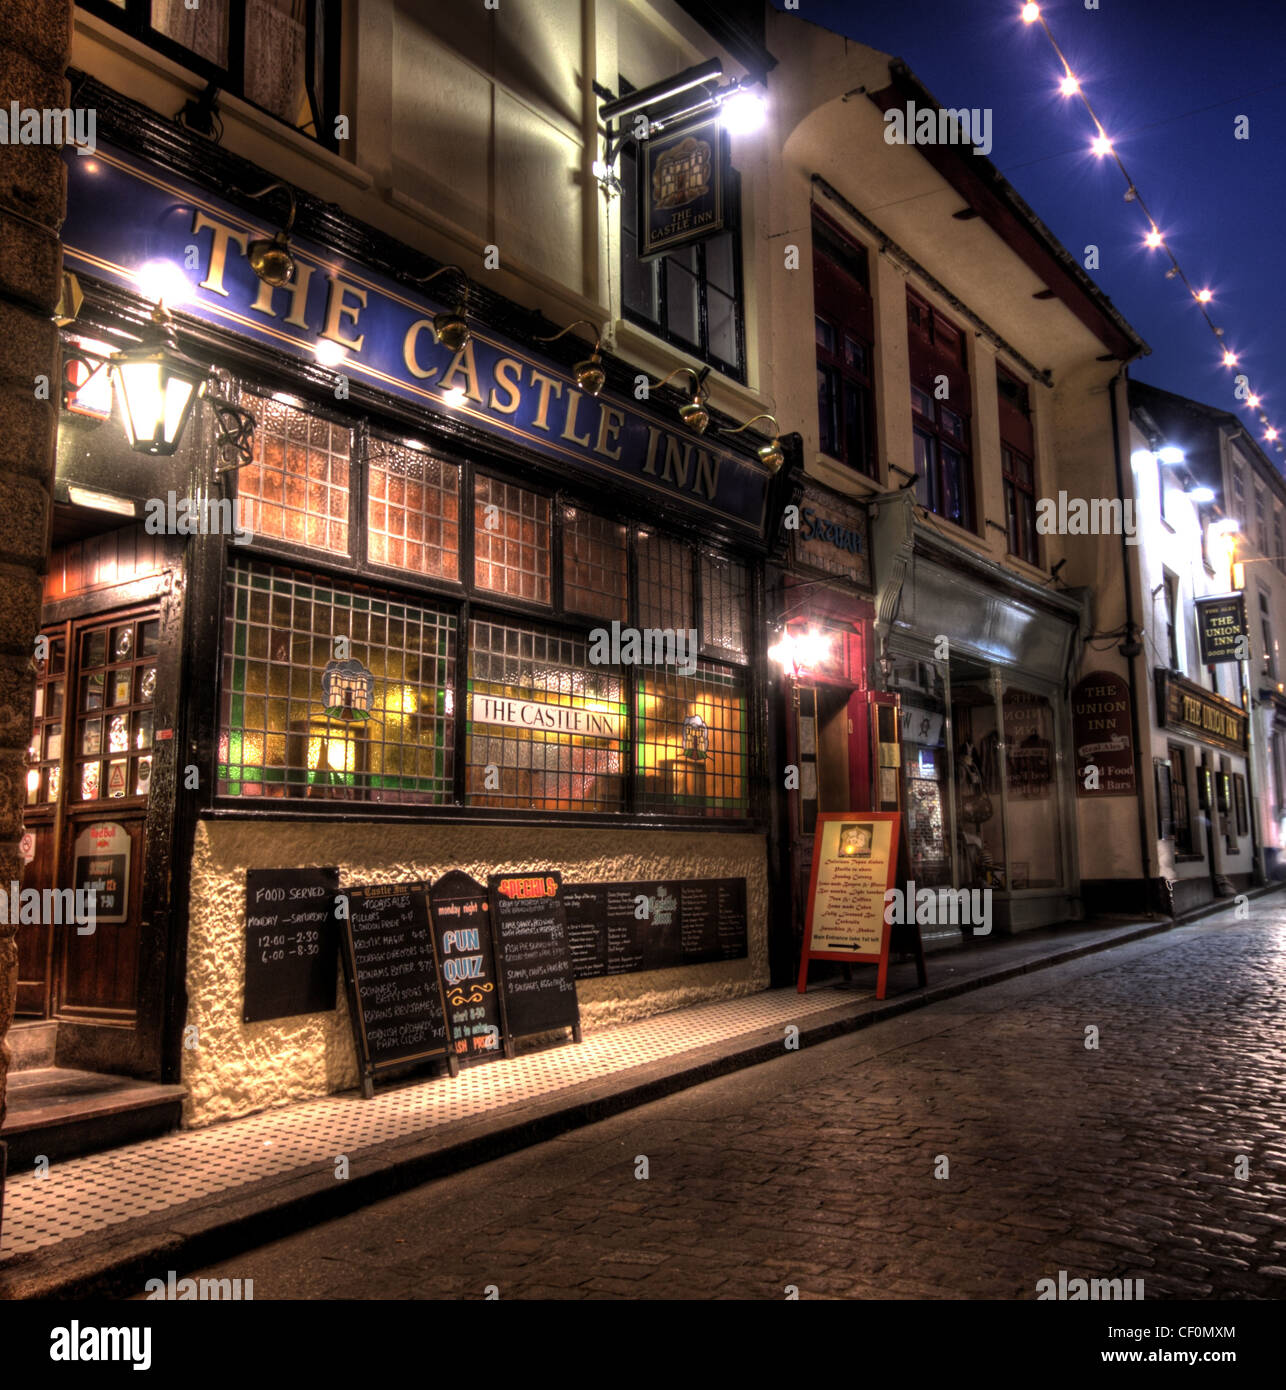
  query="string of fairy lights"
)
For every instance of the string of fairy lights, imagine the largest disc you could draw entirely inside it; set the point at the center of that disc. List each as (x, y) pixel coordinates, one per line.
(1155, 238)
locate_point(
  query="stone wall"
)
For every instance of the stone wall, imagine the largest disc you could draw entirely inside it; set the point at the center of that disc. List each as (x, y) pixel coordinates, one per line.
(236, 1068)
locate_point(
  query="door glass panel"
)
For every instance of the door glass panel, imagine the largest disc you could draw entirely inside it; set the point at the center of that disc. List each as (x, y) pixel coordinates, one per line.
(93, 650)
(122, 642)
(89, 779)
(142, 776)
(121, 687)
(118, 734)
(149, 637)
(1035, 840)
(980, 840)
(91, 691)
(114, 718)
(143, 729)
(926, 770)
(91, 737)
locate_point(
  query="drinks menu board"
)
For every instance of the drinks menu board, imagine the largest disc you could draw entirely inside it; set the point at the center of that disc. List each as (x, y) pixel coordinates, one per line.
(533, 957)
(855, 857)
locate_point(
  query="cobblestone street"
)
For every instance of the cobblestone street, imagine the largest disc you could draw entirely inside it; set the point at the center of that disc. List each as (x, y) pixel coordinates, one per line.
(821, 1170)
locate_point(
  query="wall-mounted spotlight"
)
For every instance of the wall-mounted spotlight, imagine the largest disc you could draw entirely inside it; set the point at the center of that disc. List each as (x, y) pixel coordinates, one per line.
(589, 373)
(450, 327)
(771, 455)
(694, 414)
(270, 257)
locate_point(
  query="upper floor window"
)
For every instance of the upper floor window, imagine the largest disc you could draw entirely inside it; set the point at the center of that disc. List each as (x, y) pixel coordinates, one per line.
(1278, 551)
(1238, 491)
(845, 334)
(280, 55)
(691, 297)
(1261, 520)
(1266, 634)
(941, 410)
(1017, 466)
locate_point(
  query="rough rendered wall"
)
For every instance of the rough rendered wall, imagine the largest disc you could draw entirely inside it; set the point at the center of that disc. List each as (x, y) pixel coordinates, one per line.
(237, 1068)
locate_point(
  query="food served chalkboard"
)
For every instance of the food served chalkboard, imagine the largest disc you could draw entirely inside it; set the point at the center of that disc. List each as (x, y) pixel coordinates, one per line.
(462, 933)
(391, 969)
(291, 942)
(533, 956)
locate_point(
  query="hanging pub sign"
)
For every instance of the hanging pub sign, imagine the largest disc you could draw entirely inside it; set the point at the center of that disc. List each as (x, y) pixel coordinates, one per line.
(680, 198)
(1102, 736)
(1187, 707)
(1221, 628)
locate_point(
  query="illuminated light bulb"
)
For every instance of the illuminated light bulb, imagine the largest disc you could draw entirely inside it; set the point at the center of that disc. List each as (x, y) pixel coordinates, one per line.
(1031, 13)
(328, 353)
(455, 397)
(1069, 86)
(1230, 359)
(1252, 401)
(1153, 239)
(1101, 146)
(163, 282)
(1204, 296)
(1270, 433)
(743, 113)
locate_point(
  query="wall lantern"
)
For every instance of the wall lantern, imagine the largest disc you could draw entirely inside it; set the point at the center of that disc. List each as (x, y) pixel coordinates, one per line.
(270, 257)
(157, 386)
(796, 651)
(696, 738)
(589, 373)
(771, 454)
(694, 414)
(450, 327)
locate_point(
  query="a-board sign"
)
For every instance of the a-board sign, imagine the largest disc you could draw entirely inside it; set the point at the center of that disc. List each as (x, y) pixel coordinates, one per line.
(391, 969)
(461, 913)
(622, 928)
(855, 860)
(292, 941)
(533, 957)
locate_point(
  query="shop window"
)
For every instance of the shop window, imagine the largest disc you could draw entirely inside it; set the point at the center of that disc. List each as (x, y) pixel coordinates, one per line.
(413, 510)
(44, 757)
(691, 297)
(845, 334)
(296, 489)
(116, 688)
(299, 720)
(692, 743)
(665, 582)
(926, 772)
(546, 728)
(941, 407)
(511, 540)
(595, 571)
(725, 620)
(1034, 824)
(1179, 804)
(1240, 803)
(281, 55)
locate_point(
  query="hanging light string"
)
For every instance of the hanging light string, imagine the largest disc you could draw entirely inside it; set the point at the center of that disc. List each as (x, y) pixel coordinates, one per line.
(1155, 239)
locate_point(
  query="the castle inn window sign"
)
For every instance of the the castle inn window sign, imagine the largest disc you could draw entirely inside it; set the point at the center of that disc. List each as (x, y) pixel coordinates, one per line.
(1188, 708)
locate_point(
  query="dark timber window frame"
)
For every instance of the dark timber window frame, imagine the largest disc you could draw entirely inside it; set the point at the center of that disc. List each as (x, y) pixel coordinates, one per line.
(845, 339)
(937, 348)
(1018, 466)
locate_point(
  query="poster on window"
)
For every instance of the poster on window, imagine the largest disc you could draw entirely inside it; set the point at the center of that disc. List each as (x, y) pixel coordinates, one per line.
(681, 193)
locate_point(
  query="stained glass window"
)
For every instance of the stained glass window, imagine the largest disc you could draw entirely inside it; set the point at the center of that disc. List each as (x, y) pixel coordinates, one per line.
(682, 775)
(595, 578)
(511, 540)
(413, 511)
(724, 596)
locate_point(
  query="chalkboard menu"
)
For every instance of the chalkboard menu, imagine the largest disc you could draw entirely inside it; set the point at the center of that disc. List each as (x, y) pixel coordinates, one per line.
(622, 928)
(462, 934)
(391, 968)
(533, 957)
(291, 942)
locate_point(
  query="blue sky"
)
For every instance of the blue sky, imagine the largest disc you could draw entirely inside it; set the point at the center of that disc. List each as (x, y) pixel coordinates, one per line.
(1168, 78)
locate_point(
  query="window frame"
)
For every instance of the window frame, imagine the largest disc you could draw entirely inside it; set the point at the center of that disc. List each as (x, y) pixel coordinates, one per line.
(844, 325)
(323, 21)
(927, 332)
(1184, 844)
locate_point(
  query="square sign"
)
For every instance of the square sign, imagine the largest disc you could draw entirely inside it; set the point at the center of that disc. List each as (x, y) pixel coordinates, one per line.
(1220, 622)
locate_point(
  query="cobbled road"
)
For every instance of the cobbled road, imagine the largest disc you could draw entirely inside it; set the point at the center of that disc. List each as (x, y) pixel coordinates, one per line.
(965, 1150)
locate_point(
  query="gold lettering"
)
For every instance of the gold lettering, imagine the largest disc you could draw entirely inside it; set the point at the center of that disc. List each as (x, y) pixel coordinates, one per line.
(707, 478)
(569, 428)
(507, 372)
(408, 349)
(463, 362)
(610, 424)
(298, 291)
(678, 461)
(218, 249)
(337, 308)
(653, 439)
(545, 383)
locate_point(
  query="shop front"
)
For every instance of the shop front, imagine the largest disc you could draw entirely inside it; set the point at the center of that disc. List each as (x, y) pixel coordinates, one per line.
(459, 605)
(978, 660)
(820, 651)
(1205, 826)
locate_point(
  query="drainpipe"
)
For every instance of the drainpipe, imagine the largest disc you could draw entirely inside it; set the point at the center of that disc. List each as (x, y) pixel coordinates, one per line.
(1131, 629)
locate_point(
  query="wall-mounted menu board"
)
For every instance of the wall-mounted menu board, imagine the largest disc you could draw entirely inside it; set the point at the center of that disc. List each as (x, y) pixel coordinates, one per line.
(462, 934)
(622, 928)
(533, 957)
(291, 942)
(394, 986)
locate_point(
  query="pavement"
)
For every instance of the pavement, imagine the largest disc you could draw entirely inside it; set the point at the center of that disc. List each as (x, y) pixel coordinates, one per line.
(103, 1224)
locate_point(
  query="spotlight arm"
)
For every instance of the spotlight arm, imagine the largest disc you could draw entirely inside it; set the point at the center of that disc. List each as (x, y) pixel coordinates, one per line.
(598, 336)
(288, 191)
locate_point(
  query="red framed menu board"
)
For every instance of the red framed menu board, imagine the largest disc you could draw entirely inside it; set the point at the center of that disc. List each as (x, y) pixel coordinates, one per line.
(855, 862)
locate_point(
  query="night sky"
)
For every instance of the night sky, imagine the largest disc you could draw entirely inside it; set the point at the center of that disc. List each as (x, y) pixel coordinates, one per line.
(1167, 78)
